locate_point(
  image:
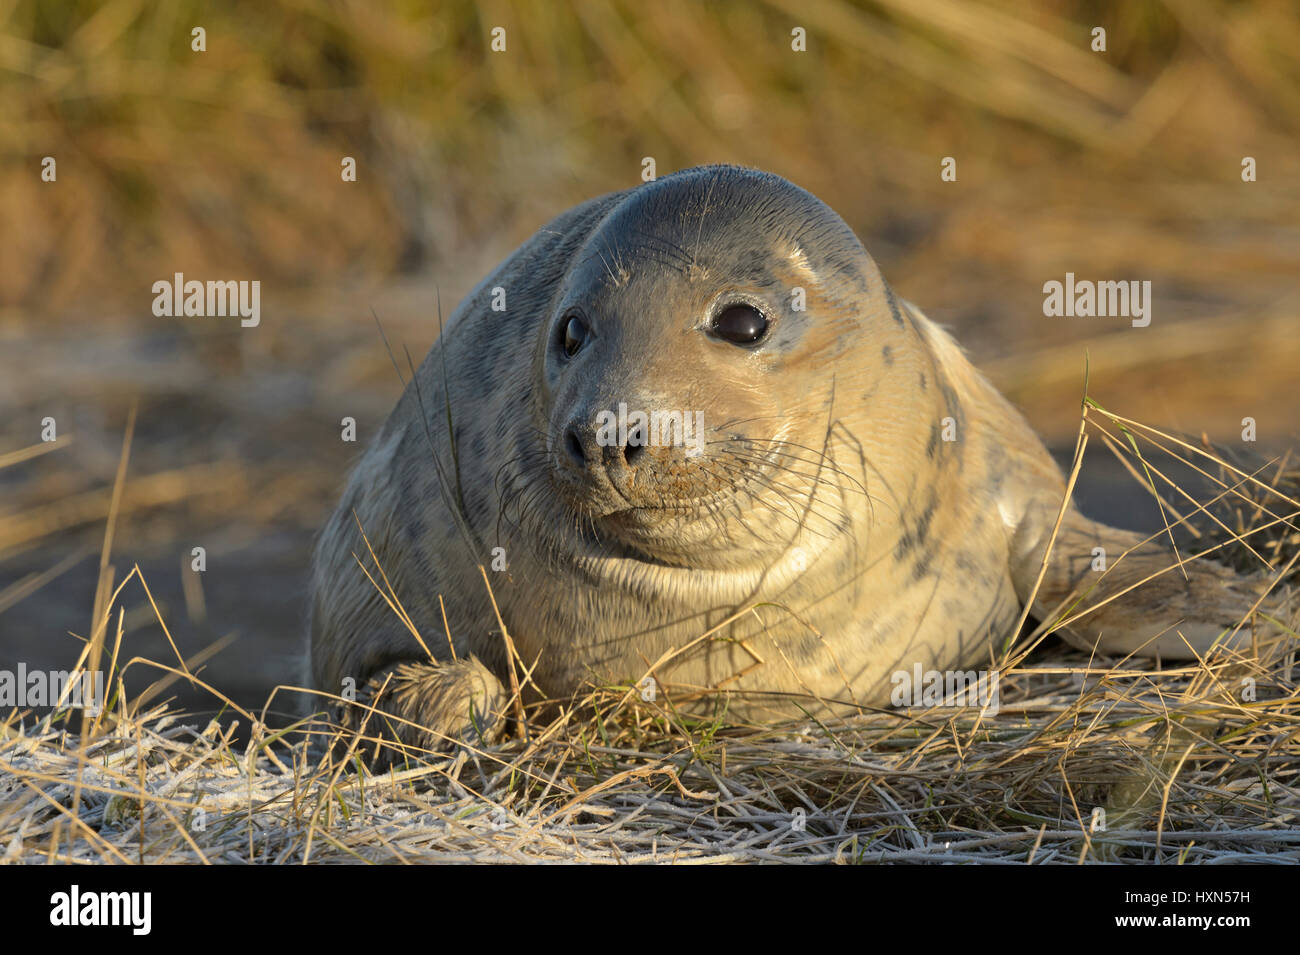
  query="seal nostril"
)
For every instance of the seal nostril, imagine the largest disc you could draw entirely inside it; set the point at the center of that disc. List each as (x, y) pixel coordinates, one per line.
(631, 452)
(574, 447)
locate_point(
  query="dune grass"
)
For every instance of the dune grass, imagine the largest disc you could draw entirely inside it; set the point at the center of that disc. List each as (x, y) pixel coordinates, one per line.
(228, 160)
(1086, 760)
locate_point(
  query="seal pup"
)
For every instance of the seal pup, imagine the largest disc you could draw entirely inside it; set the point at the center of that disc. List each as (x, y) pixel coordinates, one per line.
(857, 499)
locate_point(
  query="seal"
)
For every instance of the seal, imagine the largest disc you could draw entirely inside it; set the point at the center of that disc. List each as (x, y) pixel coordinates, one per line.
(704, 442)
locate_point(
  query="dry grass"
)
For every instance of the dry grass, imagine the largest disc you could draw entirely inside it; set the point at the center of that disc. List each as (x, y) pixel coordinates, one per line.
(1184, 772)
(228, 160)
(1084, 761)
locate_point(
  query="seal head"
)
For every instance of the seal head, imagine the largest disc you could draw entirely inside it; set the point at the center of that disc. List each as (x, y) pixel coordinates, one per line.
(676, 371)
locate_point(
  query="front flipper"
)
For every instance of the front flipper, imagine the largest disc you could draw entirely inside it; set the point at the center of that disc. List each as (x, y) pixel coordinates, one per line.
(427, 708)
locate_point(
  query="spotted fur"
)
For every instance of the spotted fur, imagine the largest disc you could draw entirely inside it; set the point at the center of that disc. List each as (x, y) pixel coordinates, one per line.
(826, 502)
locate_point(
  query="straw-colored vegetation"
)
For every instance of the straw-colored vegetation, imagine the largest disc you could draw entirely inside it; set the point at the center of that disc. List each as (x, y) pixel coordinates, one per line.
(230, 158)
(1083, 760)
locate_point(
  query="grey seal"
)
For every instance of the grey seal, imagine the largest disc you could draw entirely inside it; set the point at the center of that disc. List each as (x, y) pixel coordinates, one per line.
(855, 499)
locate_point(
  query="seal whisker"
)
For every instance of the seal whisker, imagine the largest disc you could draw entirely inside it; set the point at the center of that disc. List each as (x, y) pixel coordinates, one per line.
(814, 480)
(787, 494)
(821, 459)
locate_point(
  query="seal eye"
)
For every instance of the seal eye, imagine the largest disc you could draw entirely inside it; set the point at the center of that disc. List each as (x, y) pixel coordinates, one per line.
(575, 333)
(740, 324)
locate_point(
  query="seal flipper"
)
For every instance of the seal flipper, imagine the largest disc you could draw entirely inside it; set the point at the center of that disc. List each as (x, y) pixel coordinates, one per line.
(427, 708)
(1145, 603)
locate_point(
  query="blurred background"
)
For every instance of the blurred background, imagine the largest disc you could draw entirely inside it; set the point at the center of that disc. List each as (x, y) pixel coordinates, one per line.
(225, 164)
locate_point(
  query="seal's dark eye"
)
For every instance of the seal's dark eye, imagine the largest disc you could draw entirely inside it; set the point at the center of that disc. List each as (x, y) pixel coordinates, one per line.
(575, 333)
(740, 324)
